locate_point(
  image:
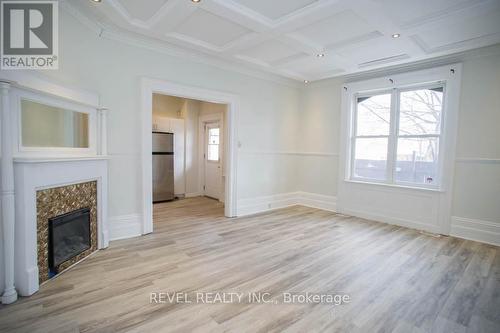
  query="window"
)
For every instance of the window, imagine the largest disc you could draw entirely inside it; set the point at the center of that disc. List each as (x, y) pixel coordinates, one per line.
(396, 136)
(213, 144)
(372, 136)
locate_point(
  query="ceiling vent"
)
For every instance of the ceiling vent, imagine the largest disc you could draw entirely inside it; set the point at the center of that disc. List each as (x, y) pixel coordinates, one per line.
(383, 60)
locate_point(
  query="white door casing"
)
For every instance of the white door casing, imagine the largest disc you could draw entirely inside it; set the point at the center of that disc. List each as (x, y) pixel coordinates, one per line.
(150, 86)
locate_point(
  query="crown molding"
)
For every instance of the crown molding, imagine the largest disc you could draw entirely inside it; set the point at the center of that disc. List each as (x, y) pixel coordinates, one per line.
(270, 72)
(132, 39)
(412, 66)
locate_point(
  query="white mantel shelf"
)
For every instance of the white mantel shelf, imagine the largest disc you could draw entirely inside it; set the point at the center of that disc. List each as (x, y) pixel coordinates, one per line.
(59, 159)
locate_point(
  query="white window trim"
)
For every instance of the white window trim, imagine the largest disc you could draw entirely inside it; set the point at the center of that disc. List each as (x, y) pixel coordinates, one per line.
(446, 76)
(393, 136)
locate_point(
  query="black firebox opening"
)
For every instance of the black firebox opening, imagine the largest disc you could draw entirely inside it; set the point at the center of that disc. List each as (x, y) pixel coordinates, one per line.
(69, 235)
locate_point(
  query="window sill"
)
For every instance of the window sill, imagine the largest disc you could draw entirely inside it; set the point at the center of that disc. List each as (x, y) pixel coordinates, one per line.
(396, 186)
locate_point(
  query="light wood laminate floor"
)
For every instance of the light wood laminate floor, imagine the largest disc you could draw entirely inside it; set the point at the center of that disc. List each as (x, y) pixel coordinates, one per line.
(398, 279)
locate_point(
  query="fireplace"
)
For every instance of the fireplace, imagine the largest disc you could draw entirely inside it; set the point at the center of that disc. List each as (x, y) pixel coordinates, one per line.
(69, 235)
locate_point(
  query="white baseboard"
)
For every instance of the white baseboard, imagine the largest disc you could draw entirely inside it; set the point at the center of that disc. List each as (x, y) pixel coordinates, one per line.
(476, 230)
(392, 220)
(125, 226)
(266, 203)
(192, 195)
(263, 204)
(320, 201)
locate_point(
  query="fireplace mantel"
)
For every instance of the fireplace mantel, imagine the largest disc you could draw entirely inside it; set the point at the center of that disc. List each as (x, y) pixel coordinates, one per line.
(34, 174)
(25, 170)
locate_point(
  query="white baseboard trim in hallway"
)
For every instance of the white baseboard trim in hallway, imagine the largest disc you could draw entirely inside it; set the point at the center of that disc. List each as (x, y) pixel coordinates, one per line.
(125, 226)
(476, 230)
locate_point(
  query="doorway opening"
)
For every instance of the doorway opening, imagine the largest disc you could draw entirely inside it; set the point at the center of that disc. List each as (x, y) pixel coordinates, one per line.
(188, 148)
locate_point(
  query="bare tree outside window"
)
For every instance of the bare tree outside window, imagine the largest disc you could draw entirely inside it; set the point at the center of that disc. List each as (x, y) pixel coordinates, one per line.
(417, 131)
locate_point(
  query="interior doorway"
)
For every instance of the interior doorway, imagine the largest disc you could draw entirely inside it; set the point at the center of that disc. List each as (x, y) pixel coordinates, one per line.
(188, 148)
(204, 125)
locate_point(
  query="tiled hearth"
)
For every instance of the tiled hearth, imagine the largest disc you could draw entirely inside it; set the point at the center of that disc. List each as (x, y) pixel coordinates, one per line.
(57, 201)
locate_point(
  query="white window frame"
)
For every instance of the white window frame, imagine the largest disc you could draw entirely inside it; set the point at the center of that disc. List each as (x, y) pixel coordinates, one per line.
(446, 76)
(393, 135)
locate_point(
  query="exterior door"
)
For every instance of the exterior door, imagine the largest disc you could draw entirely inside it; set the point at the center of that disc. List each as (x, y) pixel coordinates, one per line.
(213, 170)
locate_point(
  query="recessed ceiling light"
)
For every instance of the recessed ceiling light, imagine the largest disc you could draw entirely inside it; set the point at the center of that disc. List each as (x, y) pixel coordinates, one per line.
(396, 35)
(195, 1)
(306, 82)
(96, 0)
(320, 55)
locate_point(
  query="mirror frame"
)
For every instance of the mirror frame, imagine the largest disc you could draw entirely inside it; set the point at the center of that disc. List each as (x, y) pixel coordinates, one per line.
(20, 94)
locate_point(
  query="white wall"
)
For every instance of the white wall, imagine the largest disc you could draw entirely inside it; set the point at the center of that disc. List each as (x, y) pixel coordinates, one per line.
(477, 181)
(318, 133)
(267, 118)
(289, 136)
(167, 106)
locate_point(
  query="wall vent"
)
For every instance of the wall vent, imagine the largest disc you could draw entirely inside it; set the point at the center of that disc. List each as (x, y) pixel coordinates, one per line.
(384, 60)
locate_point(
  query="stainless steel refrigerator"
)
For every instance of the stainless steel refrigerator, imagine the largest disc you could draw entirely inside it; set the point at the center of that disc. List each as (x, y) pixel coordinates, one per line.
(163, 166)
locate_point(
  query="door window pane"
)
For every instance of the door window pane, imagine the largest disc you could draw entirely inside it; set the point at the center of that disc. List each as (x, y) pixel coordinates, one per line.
(370, 159)
(374, 115)
(420, 111)
(417, 160)
(213, 144)
(213, 152)
(213, 136)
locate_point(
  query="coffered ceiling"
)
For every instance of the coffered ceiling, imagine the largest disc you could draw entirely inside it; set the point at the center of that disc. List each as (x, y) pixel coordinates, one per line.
(305, 39)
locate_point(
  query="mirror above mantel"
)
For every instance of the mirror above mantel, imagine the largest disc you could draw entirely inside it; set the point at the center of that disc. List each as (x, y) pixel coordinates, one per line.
(52, 120)
(49, 126)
